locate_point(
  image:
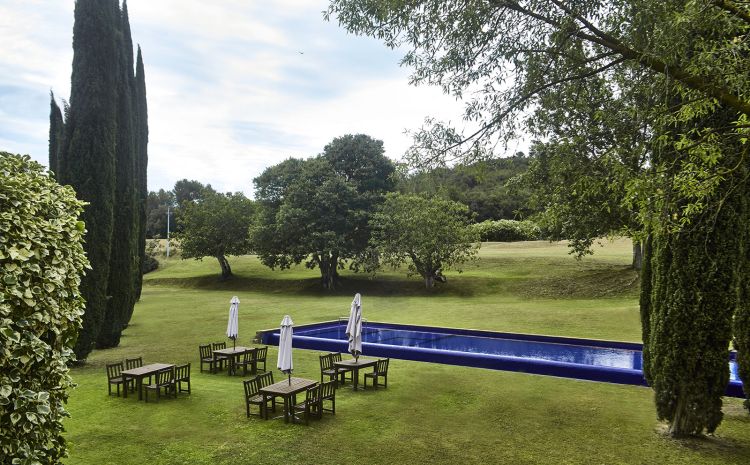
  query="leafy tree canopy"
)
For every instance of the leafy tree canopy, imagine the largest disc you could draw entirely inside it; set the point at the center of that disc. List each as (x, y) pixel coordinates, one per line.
(317, 210)
(485, 187)
(432, 235)
(216, 226)
(156, 212)
(190, 191)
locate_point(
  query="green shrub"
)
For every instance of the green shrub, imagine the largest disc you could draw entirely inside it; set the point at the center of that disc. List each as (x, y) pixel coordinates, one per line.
(507, 231)
(150, 263)
(42, 259)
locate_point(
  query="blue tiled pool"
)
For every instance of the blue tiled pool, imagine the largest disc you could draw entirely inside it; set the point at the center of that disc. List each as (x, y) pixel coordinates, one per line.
(615, 362)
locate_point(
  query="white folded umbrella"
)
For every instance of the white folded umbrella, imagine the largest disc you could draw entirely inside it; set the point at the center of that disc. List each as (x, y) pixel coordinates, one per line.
(233, 323)
(284, 362)
(354, 327)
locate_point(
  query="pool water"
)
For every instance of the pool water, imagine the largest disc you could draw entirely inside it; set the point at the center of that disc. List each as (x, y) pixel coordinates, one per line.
(596, 360)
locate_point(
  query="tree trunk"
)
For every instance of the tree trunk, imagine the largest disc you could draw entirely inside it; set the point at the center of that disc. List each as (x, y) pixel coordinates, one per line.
(680, 426)
(429, 282)
(637, 256)
(328, 266)
(226, 270)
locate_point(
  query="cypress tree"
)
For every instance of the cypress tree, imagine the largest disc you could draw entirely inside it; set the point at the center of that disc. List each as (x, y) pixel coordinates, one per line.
(741, 330)
(56, 128)
(125, 234)
(645, 306)
(89, 154)
(693, 293)
(741, 321)
(141, 163)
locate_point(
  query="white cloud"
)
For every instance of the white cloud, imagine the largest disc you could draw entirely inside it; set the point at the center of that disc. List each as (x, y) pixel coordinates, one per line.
(229, 92)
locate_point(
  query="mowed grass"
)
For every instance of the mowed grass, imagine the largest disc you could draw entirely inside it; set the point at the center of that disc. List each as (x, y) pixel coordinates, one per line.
(430, 413)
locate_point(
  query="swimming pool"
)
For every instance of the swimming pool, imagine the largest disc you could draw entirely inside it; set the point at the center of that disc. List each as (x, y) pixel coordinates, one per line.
(608, 361)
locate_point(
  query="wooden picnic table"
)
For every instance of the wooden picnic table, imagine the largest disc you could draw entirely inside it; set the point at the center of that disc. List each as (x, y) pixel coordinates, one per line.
(355, 365)
(142, 372)
(287, 390)
(231, 354)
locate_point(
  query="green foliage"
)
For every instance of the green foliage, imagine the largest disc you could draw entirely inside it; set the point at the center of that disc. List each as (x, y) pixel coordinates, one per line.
(42, 259)
(125, 256)
(89, 157)
(580, 196)
(599, 131)
(314, 219)
(186, 191)
(433, 235)
(56, 131)
(507, 231)
(741, 331)
(140, 109)
(485, 187)
(317, 210)
(695, 285)
(150, 263)
(216, 226)
(157, 204)
(99, 153)
(502, 56)
(690, 328)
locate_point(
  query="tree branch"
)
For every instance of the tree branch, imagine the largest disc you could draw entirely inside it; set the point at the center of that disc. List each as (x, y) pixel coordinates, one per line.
(675, 72)
(486, 127)
(731, 7)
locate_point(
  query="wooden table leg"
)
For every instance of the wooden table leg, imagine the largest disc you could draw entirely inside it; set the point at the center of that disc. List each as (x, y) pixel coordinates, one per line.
(139, 386)
(125, 385)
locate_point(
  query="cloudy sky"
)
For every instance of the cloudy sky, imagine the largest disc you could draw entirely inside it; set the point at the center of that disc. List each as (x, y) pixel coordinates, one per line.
(233, 86)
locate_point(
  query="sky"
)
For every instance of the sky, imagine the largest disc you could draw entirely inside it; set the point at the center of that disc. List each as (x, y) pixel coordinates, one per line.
(233, 86)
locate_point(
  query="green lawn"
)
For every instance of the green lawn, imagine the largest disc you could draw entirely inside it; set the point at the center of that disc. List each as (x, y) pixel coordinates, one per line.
(430, 413)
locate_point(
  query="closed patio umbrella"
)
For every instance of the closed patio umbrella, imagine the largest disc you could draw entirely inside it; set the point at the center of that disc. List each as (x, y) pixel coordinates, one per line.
(233, 323)
(354, 327)
(284, 362)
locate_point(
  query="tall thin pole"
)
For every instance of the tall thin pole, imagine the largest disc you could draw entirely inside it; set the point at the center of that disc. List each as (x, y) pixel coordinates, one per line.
(167, 232)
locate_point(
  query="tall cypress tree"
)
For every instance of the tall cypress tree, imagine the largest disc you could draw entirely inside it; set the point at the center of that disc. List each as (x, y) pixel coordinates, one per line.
(125, 233)
(741, 321)
(56, 128)
(692, 295)
(89, 153)
(141, 163)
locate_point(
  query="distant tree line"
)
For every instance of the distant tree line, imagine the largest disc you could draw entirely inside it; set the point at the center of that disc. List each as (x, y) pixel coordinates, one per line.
(98, 145)
(486, 187)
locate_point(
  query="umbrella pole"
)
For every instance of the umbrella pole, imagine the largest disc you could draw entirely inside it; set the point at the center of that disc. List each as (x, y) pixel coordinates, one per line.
(289, 373)
(234, 343)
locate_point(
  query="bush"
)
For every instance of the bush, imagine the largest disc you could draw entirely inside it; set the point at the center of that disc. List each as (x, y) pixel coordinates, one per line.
(150, 263)
(42, 259)
(507, 231)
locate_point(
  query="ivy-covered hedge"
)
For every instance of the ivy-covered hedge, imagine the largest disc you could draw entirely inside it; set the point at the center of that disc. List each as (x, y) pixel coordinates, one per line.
(42, 259)
(507, 231)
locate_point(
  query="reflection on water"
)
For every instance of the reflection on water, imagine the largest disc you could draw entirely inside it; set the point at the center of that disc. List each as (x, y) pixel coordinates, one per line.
(582, 355)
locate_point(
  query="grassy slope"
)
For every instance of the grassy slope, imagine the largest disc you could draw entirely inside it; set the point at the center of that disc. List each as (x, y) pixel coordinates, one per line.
(430, 413)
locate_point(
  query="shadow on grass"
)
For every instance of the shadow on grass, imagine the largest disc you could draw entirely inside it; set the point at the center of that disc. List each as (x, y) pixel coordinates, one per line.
(709, 446)
(615, 281)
